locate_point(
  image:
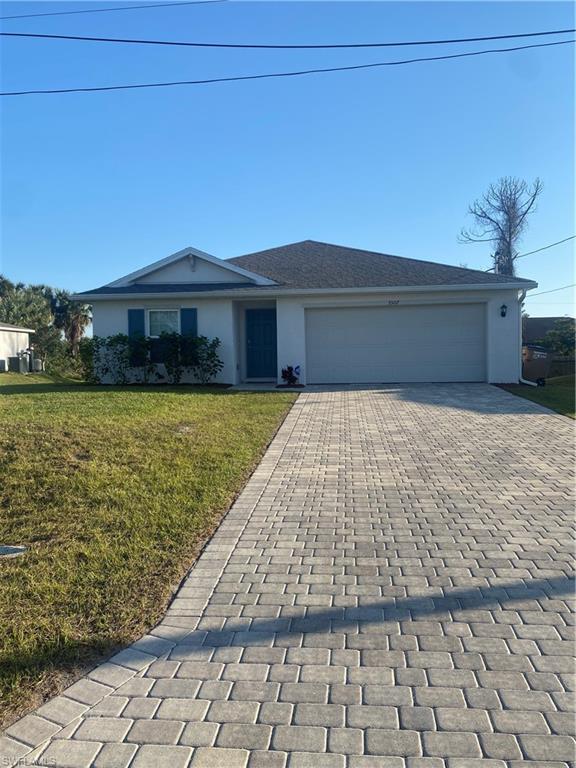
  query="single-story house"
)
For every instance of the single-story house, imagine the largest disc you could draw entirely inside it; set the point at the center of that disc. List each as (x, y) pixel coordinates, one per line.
(343, 315)
(14, 342)
(536, 328)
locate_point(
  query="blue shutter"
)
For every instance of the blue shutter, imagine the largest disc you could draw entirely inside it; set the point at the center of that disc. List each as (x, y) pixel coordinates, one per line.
(136, 325)
(189, 322)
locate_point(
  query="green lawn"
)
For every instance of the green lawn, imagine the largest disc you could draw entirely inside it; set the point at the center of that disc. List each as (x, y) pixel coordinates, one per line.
(29, 379)
(558, 394)
(114, 491)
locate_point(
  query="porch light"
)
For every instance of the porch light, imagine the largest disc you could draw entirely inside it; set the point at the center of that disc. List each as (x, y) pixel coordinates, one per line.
(503, 310)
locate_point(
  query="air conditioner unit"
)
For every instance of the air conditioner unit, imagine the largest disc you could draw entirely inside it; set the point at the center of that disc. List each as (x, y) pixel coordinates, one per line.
(18, 364)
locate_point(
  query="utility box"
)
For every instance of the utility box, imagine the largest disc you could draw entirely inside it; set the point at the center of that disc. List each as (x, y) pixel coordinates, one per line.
(18, 364)
(536, 363)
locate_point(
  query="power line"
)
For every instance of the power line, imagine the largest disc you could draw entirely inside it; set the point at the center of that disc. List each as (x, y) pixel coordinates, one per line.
(544, 248)
(107, 10)
(521, 256)
(86, 38)
(238, 78)
(563, 288)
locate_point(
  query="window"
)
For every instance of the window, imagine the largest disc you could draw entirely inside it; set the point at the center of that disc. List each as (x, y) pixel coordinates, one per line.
(163, 321)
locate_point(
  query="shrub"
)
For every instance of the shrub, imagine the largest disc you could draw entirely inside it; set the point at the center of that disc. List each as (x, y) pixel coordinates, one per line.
(121, 359)
(60, 362)
(289, 376)
(142, 367)
(208, 364)
(561, 338)
(87, 353)
(169, 349)
(114, 358)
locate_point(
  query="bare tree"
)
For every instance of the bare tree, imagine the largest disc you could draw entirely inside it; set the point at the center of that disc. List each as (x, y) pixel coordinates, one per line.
(500, 217)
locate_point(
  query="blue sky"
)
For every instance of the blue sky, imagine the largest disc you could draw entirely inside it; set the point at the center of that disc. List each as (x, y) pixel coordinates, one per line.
(98, 185)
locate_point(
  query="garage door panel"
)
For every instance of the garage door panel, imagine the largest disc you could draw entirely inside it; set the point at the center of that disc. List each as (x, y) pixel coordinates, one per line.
(394, 344)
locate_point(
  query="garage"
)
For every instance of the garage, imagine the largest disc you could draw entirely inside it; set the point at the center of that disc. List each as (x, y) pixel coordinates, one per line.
(411, 343)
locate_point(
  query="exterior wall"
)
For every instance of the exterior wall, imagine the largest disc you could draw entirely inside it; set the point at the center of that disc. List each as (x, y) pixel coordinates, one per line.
(12, 342)
(504, 339)
(203, 272)
(215, 318)
(503, 354)
(224, 318)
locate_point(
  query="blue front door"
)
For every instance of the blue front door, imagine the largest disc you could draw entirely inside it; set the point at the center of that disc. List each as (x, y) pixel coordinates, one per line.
(261, 344)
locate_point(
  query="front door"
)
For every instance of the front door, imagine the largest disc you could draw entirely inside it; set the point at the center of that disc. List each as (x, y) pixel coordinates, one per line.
(261, 344)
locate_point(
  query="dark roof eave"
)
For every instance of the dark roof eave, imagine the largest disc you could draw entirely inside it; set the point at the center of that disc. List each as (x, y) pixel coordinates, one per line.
(518, 284)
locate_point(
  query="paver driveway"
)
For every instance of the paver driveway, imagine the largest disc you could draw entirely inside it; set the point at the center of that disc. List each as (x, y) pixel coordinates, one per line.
(390, 591)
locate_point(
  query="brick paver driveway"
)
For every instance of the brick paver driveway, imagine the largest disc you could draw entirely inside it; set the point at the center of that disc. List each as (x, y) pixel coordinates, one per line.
(390, 591)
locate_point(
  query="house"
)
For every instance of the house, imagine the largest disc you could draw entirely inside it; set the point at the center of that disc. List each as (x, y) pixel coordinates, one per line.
(344, 315)
(536, 328)
(14, 345)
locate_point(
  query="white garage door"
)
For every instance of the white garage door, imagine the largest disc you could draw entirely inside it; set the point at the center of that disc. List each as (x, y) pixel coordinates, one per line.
(395, 344)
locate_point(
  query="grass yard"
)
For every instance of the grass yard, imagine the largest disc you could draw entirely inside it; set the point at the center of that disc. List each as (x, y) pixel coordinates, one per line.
(114, 491)
(9, 379)
(558, 394)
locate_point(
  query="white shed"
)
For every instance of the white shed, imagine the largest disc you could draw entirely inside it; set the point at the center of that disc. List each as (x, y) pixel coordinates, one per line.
(14, 340)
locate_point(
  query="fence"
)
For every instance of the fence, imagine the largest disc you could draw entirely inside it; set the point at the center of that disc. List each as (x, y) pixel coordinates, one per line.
(562, 366)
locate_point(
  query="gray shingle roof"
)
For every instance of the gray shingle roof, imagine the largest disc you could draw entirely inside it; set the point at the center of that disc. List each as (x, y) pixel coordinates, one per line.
(311, 264)
(141, 288)
(314, 265)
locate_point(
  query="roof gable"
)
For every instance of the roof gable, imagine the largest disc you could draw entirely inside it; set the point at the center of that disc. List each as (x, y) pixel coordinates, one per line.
(190, 266)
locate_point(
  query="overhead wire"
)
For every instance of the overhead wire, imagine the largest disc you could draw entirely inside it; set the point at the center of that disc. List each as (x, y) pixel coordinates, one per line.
(553, 290)
(270, 75)
(108, 10)
(278, 46)
(544, 248)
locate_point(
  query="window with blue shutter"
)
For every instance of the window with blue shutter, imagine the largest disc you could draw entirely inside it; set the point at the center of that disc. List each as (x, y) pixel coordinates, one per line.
(160, 321)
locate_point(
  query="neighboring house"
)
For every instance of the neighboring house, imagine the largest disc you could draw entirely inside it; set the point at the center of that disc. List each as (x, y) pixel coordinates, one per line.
(343, 315)
(535, 328)
(14, 340)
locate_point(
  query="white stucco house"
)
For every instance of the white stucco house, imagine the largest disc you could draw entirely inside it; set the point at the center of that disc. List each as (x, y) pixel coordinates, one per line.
(14, 342)
(344, 315)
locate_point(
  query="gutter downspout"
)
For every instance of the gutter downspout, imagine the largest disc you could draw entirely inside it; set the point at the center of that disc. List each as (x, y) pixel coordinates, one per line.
(520, 379)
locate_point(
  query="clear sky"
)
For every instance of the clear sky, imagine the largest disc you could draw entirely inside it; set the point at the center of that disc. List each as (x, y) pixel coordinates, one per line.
(98, 185)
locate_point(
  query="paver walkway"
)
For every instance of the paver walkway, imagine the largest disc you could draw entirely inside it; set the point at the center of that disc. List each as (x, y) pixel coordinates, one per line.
(389, 591)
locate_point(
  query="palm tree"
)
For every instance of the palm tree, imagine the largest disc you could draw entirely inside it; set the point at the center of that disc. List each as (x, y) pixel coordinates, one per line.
(80, 319)
(71, 317)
